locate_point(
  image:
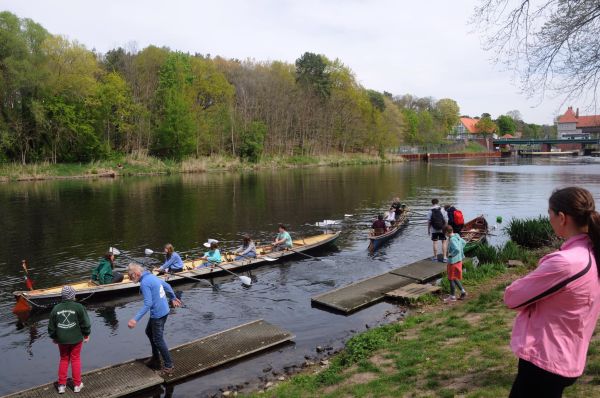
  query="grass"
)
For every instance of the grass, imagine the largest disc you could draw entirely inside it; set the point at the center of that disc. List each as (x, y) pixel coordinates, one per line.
(531, 232)
(446, 351)
(141, 163)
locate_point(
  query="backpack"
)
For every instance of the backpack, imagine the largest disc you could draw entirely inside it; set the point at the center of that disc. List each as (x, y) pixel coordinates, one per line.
(437, 219)
(458, 218)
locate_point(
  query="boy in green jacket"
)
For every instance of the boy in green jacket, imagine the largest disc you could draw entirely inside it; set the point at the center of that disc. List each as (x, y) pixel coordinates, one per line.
(69, 327)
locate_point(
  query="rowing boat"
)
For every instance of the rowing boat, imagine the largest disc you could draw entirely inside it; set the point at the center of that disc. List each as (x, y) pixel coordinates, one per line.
(474, 233)
(375, 241)
(89, 291)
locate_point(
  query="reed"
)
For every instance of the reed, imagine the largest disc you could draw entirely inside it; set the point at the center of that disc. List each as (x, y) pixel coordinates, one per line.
(531, 232)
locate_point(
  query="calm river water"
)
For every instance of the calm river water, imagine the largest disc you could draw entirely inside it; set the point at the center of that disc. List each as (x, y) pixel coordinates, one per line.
(63, 227)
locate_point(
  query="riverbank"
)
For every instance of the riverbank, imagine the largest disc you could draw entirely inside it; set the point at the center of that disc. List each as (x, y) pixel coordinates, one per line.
(442, 350)
(136, 165)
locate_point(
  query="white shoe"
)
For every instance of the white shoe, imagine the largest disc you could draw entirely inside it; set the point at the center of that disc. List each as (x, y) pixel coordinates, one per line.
(78, 388)
(62, 389)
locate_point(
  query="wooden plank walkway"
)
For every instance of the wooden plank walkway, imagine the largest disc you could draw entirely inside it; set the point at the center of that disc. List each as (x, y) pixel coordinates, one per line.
(353, 297)
(421, 271)
(190, 359)
(358, 295)
(412, 291)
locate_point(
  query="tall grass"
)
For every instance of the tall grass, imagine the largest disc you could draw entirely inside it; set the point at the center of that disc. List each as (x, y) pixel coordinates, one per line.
(531, 232)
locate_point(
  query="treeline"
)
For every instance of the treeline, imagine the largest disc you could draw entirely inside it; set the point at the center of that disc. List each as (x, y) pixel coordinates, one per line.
(60, 102)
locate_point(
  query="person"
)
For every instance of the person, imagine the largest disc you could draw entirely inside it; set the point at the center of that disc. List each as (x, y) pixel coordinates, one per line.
(213, 256)
(457, 222)
(558, 303)
(155, 292)
(69, 326)
(391, 217)
(105, 273)
(456, 254)
(283, 240)
(173, 262)
(246, 250)
(436, 220)
(397, 207)
(379, 226)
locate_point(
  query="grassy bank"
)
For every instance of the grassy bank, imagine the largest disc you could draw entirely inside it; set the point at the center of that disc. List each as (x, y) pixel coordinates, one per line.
(440, 350)
(147, 165)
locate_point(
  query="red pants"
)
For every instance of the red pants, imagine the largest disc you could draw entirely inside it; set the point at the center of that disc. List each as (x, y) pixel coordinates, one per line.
(70, 353)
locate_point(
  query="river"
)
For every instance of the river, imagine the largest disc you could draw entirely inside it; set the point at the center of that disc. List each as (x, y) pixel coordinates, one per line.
(63, 227)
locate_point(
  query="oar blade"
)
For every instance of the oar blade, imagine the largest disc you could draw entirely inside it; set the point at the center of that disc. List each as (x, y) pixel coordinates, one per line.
(114, 251)
(245, 280)
(148, 252)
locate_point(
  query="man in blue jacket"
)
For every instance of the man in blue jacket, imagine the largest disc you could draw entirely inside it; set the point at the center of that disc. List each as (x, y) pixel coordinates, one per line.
(155, 292)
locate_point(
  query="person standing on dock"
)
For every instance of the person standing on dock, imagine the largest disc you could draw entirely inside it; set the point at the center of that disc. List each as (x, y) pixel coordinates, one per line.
(456, 254)
(437, 218)
(69, 326)
(559, 301)
(155, 292)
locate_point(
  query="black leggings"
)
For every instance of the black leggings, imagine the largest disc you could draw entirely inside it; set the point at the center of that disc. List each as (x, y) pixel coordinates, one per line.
(533, 382)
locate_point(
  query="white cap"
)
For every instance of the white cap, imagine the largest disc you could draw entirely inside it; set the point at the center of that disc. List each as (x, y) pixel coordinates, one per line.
(209, 242)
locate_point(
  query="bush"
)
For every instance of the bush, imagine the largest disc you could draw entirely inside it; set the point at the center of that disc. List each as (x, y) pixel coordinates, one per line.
(252, 145)
(485, 253)
(531, 232)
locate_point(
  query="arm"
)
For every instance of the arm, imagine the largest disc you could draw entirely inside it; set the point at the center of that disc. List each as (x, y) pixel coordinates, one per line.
(251, 248)
(538, 284)
(215, 257)
(171, 294)
(147, 293)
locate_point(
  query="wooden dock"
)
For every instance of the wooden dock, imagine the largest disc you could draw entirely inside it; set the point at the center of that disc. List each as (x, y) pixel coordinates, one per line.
(412, 291)
(190, 359)
(356, 296)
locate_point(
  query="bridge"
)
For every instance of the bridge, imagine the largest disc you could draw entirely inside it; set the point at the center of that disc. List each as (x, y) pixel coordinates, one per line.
(549, 141)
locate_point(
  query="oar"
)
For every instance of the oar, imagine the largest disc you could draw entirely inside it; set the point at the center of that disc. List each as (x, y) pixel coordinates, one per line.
(191, 278)
(28, 281)
(325, 260)
(118, 252)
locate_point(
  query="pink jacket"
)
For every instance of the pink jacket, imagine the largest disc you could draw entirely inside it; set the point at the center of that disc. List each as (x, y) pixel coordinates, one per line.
(558, 306)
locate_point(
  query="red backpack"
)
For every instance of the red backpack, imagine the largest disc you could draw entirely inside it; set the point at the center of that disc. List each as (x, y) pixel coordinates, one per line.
(459, 219)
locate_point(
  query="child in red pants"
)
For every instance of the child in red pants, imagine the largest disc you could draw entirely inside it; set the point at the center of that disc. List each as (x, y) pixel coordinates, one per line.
(456, 244)
(69, 327)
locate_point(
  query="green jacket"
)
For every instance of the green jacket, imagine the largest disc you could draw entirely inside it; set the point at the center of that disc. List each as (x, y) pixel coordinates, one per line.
(69, 323)
(103, 273)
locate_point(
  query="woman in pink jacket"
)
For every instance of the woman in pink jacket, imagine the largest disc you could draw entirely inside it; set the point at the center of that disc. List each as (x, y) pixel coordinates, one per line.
(559, 301)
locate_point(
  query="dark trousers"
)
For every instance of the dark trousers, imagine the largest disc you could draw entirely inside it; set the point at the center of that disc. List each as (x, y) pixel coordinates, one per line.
(534, 382)
(154, 331)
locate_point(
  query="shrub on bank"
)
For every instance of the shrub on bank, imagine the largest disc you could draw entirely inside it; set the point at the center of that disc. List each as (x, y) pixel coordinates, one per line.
(531, 232)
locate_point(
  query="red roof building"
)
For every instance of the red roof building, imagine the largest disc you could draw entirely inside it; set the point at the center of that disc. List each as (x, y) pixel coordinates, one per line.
(572, 126)
(466, 130)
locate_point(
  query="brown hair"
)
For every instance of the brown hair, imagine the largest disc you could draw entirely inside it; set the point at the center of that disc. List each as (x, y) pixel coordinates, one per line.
(579, 204)
(170, 250)
(282, 227)
(108, 256)
(214, 245)
(448, 229)
(434, 201)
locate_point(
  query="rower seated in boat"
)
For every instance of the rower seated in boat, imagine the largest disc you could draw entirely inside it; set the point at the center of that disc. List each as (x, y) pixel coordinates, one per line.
(391, 217)
(105, 273)
(246, 250)
(173, 262)
(283, 240)
(212, 256)
(379, 226)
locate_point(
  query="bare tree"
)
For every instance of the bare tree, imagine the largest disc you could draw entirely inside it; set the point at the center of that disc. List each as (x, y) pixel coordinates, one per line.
(553, 45)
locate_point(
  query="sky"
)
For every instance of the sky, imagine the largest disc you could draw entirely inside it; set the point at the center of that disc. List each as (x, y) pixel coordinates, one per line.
(424, 48)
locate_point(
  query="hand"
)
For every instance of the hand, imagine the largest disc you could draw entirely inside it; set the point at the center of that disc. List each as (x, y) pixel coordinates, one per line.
(176, 302)
(131, 323)
(86, 339)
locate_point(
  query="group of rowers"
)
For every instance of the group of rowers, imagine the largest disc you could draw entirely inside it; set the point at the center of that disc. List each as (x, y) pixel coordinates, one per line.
(390, 218)
(104, 273)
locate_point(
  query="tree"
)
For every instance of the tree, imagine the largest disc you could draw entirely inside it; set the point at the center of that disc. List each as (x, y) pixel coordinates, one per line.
(447, 112)
(311, 73)
(485, 125)
(506, 125)
(515, 115)
(252, 145)
(552, 44)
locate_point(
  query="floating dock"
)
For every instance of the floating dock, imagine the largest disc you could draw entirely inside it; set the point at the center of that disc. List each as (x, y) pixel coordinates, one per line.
(190, 359)
(412, 291)
(356, 296)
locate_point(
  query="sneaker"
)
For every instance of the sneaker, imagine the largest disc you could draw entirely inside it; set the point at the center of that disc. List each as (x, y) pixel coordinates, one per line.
(167, 371)
(78, 388)
(445, 260)
(434, 258)
(463, 296)
(62, 388)
(153, 363)
(450, 299)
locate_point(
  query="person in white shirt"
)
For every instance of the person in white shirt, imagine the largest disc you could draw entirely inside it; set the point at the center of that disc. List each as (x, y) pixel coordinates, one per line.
(437, 219)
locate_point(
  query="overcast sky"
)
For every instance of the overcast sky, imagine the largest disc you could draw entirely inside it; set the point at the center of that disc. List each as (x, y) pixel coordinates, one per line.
(425, 48)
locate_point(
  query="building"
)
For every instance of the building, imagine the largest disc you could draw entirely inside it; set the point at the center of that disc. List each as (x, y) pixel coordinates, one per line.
(466, 130)
(572, 126)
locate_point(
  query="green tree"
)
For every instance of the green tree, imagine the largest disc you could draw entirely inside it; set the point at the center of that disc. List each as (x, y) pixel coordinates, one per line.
(447, 114)
(252, 142)
(485, 125)
(312, 74)
(506, 125)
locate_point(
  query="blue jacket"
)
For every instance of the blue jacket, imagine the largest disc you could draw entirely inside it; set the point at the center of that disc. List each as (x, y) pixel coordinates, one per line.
(155, 292)
(173, 264)
(455, 249)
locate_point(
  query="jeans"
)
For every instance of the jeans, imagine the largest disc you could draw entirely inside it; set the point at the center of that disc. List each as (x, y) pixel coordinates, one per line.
(154, 331)
(454, 285)
(70, 353)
